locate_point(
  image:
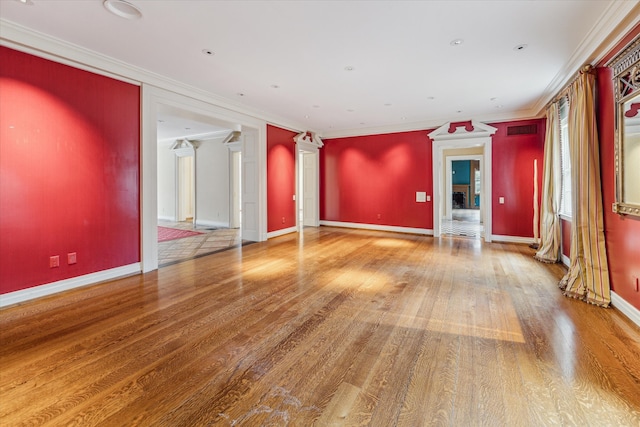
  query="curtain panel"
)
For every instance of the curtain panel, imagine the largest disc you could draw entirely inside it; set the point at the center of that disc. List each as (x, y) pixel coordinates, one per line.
(549, 250)
(588, 276)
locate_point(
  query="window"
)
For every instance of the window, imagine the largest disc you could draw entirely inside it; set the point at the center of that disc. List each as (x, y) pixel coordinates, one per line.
(565, 160)
(477, 181)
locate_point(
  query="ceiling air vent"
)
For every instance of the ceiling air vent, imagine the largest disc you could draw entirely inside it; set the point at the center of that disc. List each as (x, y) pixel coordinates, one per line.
(522, 130)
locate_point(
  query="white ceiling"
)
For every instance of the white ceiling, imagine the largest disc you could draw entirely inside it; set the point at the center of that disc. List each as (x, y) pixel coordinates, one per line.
(405, 75)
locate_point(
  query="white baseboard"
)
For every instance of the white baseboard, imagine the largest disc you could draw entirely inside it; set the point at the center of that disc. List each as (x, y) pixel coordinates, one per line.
(565, 260)
(216, 224)
(67, 284)
(166, 218)
(511, 239)
(625, 308)
(282, 232)
(424, 231)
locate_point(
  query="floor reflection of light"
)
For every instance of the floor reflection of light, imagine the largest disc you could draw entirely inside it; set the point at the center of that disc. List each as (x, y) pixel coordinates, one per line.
(392, 243)
(564, 348)
(359, 279)
(265, 267)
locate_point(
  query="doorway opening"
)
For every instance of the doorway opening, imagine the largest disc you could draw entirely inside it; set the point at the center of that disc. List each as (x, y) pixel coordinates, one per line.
(471, 139)
(462, 216)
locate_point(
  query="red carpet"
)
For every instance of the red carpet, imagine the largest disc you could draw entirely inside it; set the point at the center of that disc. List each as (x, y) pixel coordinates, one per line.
(166, 233)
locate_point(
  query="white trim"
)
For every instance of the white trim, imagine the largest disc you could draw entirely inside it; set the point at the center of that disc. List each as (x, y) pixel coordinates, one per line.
(166, 218)
(481, 135)
(565, 260)
(625, 308)
(217, 224)
(393, 228)
(511, 239)
(282, 232)
(590, 48)
(68, 284)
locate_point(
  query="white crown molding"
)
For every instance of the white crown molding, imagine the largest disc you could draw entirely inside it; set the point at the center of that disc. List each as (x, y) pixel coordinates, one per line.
(24, 39)
(615, 13)
(503, 116)
(23, 295)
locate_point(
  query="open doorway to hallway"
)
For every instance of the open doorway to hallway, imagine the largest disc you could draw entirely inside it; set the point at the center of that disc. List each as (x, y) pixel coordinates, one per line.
(198, 187)
(464, 187)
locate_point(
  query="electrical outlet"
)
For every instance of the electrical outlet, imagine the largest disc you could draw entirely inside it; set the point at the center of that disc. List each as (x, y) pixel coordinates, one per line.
(379, 216)
(54, 261)
(283, 220)
(501, 200)
(71, 258)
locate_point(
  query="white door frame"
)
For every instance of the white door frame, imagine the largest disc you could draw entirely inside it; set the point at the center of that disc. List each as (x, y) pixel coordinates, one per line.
(153, 98)
(451, 137)
(307, 142)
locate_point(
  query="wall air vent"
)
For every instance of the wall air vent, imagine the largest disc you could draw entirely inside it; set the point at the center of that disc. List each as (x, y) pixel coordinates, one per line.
(522, 130)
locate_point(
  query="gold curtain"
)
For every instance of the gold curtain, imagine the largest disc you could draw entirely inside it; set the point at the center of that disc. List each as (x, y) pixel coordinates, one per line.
(588, 276)
(549, 250)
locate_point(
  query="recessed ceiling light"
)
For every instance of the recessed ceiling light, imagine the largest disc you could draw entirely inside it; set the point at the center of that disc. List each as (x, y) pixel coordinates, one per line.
(459, 111)
(388, 104)
(315, 106)
(351, 110)
(160, 121)
(349, 68)
(187, 128)
(403, 118)
(362, 123)
(123, 9)
(493, 99)
(275, 86)
(498, 106)
(25, 2)
(208, 52)
(240, 94)
(520, 47)
(306, 116)
(456, 42)
(431, 98)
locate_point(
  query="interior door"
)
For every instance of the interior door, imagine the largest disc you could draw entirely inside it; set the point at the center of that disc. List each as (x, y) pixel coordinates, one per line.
(310, 190)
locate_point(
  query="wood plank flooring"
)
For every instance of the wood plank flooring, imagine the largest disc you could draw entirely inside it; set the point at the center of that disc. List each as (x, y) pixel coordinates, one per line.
(332, 327)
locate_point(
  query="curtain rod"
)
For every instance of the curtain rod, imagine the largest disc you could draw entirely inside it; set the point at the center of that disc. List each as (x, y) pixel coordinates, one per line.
(563, 92)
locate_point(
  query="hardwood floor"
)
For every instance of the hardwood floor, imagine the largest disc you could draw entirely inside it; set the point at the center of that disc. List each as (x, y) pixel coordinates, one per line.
(333, 327)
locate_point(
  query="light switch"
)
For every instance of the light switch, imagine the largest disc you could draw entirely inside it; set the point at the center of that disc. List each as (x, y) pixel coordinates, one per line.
(501, 200)
(421, 196)
(428, 198)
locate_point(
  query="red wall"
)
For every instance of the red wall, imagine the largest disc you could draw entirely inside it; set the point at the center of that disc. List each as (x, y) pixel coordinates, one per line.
(622, 233)
(364, 176)
(512, 178)
(281, 178)
(69, 171)
(373, 179)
